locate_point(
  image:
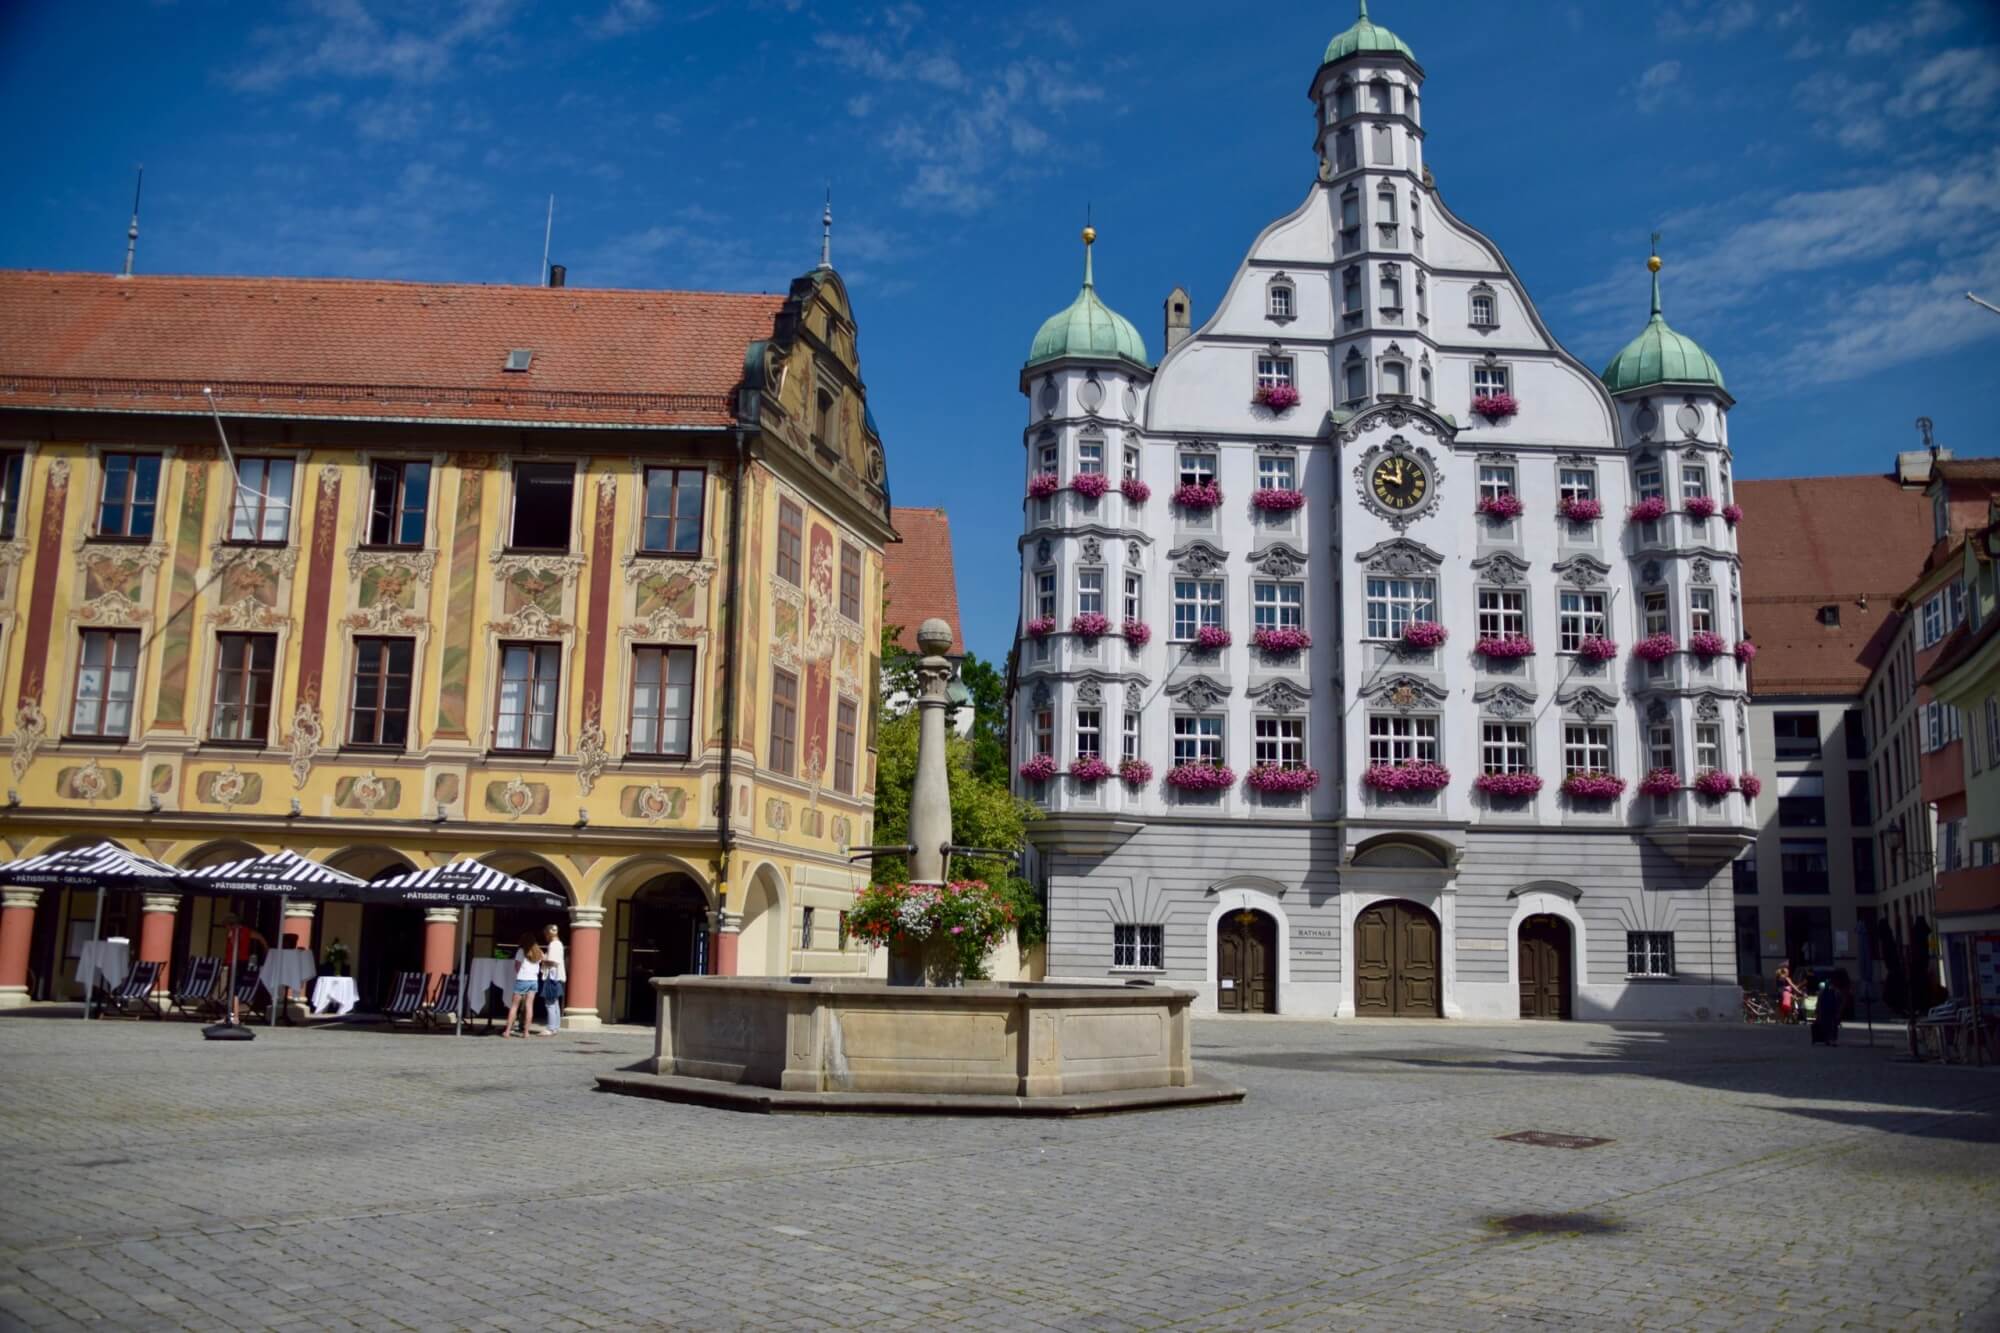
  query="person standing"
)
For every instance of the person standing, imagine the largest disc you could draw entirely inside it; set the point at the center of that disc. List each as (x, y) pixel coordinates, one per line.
(555, 978)
(1788, 994)
(527, 980)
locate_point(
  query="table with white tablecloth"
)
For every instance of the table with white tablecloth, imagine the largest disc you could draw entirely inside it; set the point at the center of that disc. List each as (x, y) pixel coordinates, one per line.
(482, 973)
(334, 995)
(104, 963)
(291, 968)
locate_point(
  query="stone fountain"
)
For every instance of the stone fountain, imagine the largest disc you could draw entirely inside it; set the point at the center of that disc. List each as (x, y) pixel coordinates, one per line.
(806, 1044)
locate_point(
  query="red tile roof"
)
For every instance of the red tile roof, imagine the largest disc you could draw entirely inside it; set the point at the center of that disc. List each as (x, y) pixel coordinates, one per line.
(377, 350)
(921, 580)
(1807, 542)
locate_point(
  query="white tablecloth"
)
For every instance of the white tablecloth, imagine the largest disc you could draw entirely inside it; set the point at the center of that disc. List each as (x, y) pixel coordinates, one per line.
(287, 967)
(108, 961)
(338, 992)
(483, 972)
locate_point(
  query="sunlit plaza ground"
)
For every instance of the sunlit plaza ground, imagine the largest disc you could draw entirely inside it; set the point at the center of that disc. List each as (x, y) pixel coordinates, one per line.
(363, 1178)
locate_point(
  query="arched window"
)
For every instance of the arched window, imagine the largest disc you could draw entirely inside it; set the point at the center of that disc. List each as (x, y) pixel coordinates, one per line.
(1343, 100)
(1350, 220)
(1281, 299)
(1378, 96)
(1345, 153)
(1395, 378)
(1424, 383)
(1356, 373)
(1385, 216)
(1485, 310)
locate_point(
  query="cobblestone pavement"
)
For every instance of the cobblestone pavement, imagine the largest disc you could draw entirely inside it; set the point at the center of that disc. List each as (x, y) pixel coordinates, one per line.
(342, 1178)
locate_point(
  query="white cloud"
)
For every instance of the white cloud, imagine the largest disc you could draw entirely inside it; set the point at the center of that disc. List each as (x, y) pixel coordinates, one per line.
(1655, 83)
(1923, 19)
(1721, 19)
(392, 119)
(1844, 109)
(625, 16)
(357, 39)
(1957, 85)
(858, 107)
(878, 60)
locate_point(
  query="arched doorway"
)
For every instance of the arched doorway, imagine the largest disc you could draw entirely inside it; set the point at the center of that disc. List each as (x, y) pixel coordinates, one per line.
(1545, 951)
(662, 932)
(1398, 971)
(1246, 963)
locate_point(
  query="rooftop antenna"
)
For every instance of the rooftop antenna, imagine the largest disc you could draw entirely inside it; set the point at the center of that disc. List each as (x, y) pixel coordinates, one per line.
(1924, 429)
(826, 231)
(548, 231)
(132, 232)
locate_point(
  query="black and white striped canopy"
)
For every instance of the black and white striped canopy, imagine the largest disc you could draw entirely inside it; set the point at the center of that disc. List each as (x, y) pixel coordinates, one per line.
(466, 883)
(278, 874)
(107, 865)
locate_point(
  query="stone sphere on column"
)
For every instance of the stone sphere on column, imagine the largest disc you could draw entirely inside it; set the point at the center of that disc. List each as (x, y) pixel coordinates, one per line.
(934, 637)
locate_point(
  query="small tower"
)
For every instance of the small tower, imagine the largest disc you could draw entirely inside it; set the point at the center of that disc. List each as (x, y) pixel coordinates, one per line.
(1180, 320)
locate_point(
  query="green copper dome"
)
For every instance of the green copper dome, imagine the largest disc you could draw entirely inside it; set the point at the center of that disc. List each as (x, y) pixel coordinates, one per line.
(1660, 356)
(1089, 328)
(1366, 37)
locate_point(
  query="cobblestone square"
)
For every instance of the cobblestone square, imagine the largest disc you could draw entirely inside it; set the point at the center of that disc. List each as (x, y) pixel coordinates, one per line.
(353, 1178)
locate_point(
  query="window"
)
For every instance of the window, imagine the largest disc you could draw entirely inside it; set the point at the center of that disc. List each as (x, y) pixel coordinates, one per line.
(1384, 153)
(1089, 733)
(1503, 747)
(1649, 483)
(1131, 463)
(1350, 222)
(530, 685)
(1129, 739)
(107, 675)
(1392, 288)
(1357, 378)
(1090, 458)
(1090, 592)
(673, 511)
(1586, 747)
(1708, 747)
(1495, 480)
(1395, 378)
(1424, 382)
(1276, 472)
(380, 711)
(1863, 852)
(1274, 371)
(843, 747)
(1503, 613)
(1050, 458)
(1489, 379)
(1701, 610)
(1394, 603)
(1281, 742)
(1694, 481)
(1350, 291)
(1860, 810)
(1660, 749)
(1281, 306)
(1197, 603)
(1346, 152)
(131, 494)
(663, 702)
(1197, 469)
(244, 667)
(1045, 595)
(1854, 728)
(1135, 603)
(399, 504)
(1657, 617)
(1796, 735)
(1802, 800)
(1483, 316)
(1397, 738)
(1993, 727)
(826, 413)
(1931, 626)
(1344, 101)
(1197, 739)
(1802, 863)
(784, 721)
(806, 927)
(850, 581)
(1279, 605)
(262, 509)
(1954, 595)
(1045, 732)
(1138, 948)
(1649, 953)
(13, 467)
(1743, 874)
(790, 524)
(1582, 618)
(542, 506)
(1577, 483)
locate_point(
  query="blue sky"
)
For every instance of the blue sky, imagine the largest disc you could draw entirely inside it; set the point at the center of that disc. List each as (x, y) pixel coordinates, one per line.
(1827, 176)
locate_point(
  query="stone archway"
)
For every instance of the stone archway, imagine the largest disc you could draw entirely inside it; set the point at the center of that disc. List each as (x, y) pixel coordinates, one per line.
(760, 947)
(1246, 962)
(1398, 961)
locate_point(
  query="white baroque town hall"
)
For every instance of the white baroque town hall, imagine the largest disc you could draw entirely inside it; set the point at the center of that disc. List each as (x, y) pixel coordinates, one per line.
(1377, 657)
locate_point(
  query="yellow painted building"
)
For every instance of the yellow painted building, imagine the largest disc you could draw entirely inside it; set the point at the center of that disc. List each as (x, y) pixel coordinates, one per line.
(481, 571)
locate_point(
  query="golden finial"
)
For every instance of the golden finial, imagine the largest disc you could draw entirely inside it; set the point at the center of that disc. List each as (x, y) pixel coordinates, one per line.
(1090, 235)
(1653, 264)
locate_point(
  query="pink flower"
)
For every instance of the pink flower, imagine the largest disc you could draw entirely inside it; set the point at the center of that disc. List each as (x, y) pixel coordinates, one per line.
(1512, 645)
(1041, 627)
(1714, 785)
(1273, 779)
(1656, 647)
(1091, 625)
(1750, 785)
(1424, 635)
(1043, 484)
(1138, 492)
(1649, 510)
(1201, 777)
(1135, 772)
(957, 930)
(1281, 640)
(1745, 651)
(1580, 509)
(1707, 644)
(1593, 786)
(1198, 495)
(1502, 506)
(1039, 769)
(1278, 501)
(1089, 769)
(1597, 648)
(1732, 514)
(1495, 406)
(1414, 775)
(1660, 782)
(1210, 638)
(1138, 633)
(1699, 506)
(1277, 397)
(1512, 785)
(1090, 484)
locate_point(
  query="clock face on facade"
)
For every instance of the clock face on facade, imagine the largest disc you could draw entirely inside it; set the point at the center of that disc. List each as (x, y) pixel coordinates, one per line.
(1400, 482)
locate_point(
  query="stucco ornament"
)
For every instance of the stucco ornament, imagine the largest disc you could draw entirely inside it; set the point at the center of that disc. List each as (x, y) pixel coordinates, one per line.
(1404, 691)
(1089, 691)
(1582, 571)
(1198, 558)
(1279, 561)
(228, 786)
(306, 737)
(1502, 569)
(370, 791)
(517, 797)
(1506, 701)
(1134, 696)
(1280, 696)
(592, 758)
(1588, 703)
(1199, 693)
(1402, 558)
(30, 731)
(89, 782)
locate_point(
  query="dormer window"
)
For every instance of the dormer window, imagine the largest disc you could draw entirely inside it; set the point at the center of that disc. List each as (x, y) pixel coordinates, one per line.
(1281, 299)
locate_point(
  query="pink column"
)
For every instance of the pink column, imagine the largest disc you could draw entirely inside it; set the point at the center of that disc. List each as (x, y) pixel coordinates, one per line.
(17, 930)
(580, 957)
(298, 921)
(729, 933)
(440, 940)
(156, 931)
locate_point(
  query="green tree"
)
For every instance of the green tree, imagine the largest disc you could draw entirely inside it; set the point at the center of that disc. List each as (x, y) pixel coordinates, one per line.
(988, 687)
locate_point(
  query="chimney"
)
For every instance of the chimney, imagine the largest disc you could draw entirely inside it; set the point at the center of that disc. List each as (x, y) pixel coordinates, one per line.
(557, 274)
(1178, 321)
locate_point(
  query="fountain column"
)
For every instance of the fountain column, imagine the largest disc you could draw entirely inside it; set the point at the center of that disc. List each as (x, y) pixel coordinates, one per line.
(930, 800)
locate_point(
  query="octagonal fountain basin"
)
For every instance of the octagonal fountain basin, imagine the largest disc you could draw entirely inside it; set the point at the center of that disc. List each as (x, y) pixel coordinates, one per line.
(823, 1045)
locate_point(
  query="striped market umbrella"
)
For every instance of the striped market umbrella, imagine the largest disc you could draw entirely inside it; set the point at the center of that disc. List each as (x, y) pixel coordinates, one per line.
(285, 874)
(463, 884)
(99, 868)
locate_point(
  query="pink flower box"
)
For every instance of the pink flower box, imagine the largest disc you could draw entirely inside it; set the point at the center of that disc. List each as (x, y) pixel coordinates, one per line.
(1596, 648)
(1649, 510)
(1746, 651)
(1039, 769)
(1285, 640)
(1424, 635)
(1041, 627)
(1580, 510)
(1415, 776)
(1732, 514)
(1138, 633)
(1511, 785)
(1092, 625)
(1750, 785)
(1660, 782)
(1089, 771)
(1278, 781)
(1135, 772)
(1209, 638)
(1513, 645)
(1201, 777)
(1198, 495)
(1043, 484)
(1505, 506)
(1091, 485)
(1495, 406)
(1277, 397)
(1714, 785)
(1593, 786)
(1700, 506)
(1656, 647)
(1138, 492)
(1707, 644)
(1278, 501)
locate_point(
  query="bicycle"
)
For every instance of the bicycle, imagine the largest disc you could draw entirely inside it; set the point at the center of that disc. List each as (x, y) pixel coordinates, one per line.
(1758, 1009)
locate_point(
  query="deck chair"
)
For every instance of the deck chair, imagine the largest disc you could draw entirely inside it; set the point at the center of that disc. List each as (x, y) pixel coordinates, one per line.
(250, 997)
(406, 996)
(199, 989)
(134, 995)
(438, 1013)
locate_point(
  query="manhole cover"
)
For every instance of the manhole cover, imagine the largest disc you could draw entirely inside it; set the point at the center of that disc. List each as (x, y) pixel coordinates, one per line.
(1555, 1224)
(1543, 1138)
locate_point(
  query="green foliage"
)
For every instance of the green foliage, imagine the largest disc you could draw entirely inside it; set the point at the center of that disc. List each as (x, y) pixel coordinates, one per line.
(954, 927)
(988, 687)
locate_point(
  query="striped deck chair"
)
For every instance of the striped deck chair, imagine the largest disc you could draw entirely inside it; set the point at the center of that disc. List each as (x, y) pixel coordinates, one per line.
(407, 995)
(250, 997)
(199, 988)
(134, 995)
(438, 1013)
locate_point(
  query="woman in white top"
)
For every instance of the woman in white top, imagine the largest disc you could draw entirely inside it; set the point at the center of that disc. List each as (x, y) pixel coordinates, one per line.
(527, 979)
(555, 978)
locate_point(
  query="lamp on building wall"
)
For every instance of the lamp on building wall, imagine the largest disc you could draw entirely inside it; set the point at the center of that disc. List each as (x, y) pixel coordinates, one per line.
(1892, 838)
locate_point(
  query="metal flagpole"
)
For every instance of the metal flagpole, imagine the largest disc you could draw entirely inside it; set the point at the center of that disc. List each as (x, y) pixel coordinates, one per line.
(284, 901)
(96, 933)
(458, 1018)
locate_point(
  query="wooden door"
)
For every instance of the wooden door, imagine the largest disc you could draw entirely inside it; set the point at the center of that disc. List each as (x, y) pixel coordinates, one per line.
(1398, 971)
(1246, 963)
(1544, 965)
(1228, 967)
(1375, 962)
